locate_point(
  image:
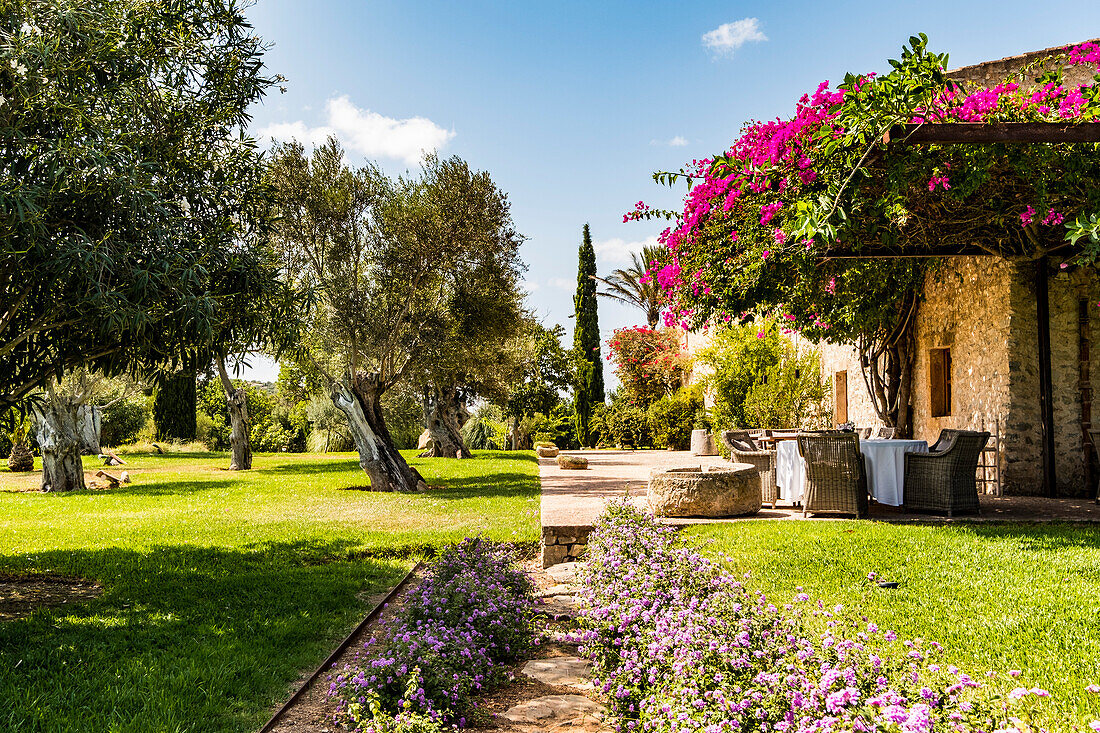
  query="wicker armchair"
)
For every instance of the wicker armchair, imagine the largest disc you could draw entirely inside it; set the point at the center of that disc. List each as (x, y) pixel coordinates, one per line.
(744, 450)
(942, 481)
(884, 433)
(836, 479)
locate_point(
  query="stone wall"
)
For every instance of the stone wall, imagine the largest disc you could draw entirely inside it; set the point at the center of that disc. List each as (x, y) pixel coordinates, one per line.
(844, 358)
(1071, 451)
(991, 73)
(966, 308)
(563, 544)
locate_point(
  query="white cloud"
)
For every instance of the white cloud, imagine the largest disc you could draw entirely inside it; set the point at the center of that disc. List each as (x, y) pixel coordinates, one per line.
(369, 133)
(729, 37)
(530, 286)
(562, 283)
(678, 141)
(616, 251)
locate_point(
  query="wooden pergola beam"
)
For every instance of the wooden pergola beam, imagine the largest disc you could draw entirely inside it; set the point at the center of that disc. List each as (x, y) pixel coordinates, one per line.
(947, 133)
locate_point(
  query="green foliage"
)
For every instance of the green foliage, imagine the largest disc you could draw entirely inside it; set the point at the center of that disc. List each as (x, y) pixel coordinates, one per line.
(672, 418)
(124, 420)
(555, 427)
(486, 429)
(174, 406)
(274, 426)
(588, 387)
(133, 202)
(329, 426)
(760, 379)
(627, 424)
(546, 371)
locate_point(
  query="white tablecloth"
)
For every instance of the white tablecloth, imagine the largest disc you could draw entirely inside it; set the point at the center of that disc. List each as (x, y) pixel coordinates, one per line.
(885, 468)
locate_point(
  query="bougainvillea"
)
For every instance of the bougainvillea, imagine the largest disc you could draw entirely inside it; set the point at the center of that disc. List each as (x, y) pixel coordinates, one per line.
(679, 645)
(770, 223)
(648, 362)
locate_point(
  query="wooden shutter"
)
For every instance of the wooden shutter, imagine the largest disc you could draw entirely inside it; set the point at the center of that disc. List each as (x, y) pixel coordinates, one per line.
(939, 381)
(840, 394)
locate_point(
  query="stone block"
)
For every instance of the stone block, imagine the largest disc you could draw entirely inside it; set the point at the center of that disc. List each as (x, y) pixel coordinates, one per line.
(553, 555)
(573, 463)
(718, 491)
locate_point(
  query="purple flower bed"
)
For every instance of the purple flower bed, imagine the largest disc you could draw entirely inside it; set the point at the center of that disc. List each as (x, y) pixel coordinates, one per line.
(679, 645)
(468, 618)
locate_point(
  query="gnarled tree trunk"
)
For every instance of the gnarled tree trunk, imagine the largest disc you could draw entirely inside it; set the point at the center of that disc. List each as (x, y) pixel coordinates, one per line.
(89, 421)
(236, 399)
(444, 415)
(361, 401)
(57, 424)
(886, 361)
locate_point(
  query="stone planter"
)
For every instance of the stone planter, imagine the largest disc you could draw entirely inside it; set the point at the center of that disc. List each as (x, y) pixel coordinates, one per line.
(546, 451)
(572, 463)
(702, 443)
(714, 491)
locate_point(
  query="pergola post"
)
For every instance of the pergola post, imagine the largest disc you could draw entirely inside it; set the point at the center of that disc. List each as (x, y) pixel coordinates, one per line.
(1046, 387)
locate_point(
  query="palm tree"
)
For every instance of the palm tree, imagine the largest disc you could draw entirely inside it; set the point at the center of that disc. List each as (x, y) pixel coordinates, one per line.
(631, 286)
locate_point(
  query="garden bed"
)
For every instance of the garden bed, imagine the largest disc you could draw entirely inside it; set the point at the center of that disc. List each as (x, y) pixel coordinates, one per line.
(679, 643)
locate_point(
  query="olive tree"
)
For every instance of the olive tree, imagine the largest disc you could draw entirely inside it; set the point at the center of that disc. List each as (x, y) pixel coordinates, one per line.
(127, 189)
(382, 260)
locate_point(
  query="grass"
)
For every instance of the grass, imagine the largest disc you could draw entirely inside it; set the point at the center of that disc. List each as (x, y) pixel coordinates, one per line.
(997, 596)
(220, 588)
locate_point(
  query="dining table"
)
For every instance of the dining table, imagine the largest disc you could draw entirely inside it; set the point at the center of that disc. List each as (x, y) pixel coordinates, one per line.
(885, 460)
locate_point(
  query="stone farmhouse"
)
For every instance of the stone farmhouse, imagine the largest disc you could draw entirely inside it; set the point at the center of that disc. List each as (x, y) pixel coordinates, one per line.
(1002, 346)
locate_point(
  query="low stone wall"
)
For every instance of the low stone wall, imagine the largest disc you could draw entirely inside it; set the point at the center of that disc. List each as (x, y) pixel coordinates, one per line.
(563, 544)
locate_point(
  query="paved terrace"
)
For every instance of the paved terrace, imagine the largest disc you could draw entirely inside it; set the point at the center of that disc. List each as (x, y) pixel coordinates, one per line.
(571, 500)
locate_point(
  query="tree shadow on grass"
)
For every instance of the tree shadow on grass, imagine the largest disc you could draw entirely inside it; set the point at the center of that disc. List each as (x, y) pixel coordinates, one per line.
(153, 488)
(497, 485)
(183, 638)
(1030, 537)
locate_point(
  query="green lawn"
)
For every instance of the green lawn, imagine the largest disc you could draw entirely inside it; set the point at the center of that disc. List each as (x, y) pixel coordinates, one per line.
(998, 597)
(220, 588)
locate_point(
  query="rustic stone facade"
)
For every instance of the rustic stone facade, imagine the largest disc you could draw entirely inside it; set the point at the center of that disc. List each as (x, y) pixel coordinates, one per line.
(984, 310)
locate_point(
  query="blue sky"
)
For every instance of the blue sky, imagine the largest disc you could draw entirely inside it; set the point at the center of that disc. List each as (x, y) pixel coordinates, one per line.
(572, 105)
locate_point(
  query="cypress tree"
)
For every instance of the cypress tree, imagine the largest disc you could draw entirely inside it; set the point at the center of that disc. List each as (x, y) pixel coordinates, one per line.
(588, 390)
(175, 406)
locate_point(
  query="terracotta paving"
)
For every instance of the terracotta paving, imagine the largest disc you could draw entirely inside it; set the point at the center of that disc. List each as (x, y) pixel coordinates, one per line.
(576, 498)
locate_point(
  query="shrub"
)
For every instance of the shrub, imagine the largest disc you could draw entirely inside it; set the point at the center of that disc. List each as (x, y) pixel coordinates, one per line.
(672, 418)
(761, 379)
(471, 616)
(271, 437)
(648, 362)
(628, 425)
(679, 644)
(122, 421)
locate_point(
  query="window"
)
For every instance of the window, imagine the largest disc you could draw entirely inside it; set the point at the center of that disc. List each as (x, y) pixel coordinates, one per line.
(939, 377)
(840, 397)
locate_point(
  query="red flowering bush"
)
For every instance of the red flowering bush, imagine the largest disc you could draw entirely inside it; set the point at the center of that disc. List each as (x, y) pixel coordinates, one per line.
(648, 362)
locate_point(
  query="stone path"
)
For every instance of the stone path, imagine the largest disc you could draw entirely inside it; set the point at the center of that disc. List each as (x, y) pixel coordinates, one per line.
(562, 712)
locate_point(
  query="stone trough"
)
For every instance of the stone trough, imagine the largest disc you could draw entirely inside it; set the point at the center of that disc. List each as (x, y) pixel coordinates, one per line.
(732, 490)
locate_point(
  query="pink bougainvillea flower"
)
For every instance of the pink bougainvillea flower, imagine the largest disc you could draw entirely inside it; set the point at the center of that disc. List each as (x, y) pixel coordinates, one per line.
(1053, 218)
(1094, 689)
(1027, 217)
